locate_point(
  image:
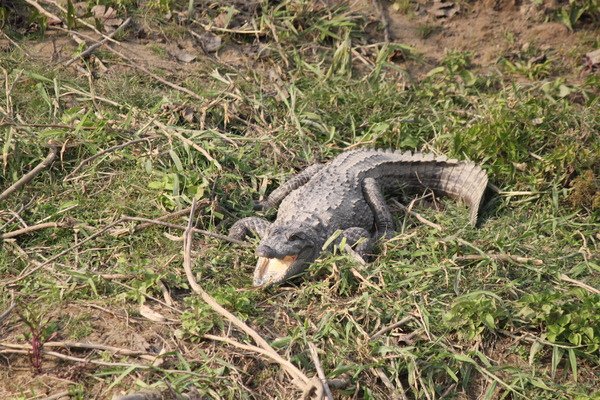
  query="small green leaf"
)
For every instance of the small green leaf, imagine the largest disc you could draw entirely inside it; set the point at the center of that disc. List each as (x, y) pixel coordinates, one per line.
(535, 348)
(557, 354)
(489, 321)
(437, 70)
(451, 373)
(176, 160)
(464, 358)
(573, 363)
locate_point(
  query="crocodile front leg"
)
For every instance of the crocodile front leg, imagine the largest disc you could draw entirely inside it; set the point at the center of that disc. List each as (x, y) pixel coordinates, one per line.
(293, 183)
(360, 239)
(384, 223)
(246, 226)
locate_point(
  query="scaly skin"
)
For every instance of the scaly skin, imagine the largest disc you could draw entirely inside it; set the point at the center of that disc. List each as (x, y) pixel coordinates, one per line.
(346, 195)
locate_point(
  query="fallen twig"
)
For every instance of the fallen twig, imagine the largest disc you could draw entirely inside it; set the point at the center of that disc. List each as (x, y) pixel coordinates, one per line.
(24, 274)
(53, 19)
(582, 285)
(90, 346)
(93, 47)
(9, 310)
(187, 141)
(145, 225)
(136, 65)
(320, 373)
(61, 356)
(32, 228)
(391, 327)
(194, 230)
(299, 379)
(105, 151)
(418, 216)
(57, 396)
(31, 174)
(384, 20)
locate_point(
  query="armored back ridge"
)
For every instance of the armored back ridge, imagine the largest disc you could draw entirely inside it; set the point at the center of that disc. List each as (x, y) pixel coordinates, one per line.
(347, 194)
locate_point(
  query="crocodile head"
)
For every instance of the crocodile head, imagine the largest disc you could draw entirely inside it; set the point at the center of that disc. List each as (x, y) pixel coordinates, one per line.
(286, 250)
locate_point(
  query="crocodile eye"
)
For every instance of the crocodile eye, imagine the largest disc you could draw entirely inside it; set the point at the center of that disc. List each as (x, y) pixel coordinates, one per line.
(295, 237)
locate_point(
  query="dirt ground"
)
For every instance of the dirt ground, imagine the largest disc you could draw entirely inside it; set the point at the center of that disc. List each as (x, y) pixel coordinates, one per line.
(489, 30)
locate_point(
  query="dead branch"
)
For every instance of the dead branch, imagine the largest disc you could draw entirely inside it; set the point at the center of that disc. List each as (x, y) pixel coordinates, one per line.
(391, 327)
(24, 274)
(9, 310)
(88, 346)
(194, 230)
(32, 228)
(298, 376)
(52, 19)
(187, 141)
(93, 47)
(418, 216)
(31, 174)
(105, 151)
(320, 373)
(268, 354)
(137, 228)
(77, 359)
(582, 285)
(136, 65)
(384, 20)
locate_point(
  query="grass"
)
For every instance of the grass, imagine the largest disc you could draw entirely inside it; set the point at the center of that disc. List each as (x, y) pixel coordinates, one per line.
(483, 327)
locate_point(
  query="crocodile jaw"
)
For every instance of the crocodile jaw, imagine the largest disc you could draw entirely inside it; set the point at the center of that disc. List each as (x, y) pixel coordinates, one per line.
(272, 270)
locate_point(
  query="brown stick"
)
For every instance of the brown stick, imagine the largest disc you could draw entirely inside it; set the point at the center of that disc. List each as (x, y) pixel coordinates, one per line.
(93, 47)
(418, 216)
(31, 174)
(7, 312)
(249, 347)
(32, 228)
(76, 359)
(89, 346)
(175, 214)
(187, 141)
(24, 275)
(105, 151)
(298, 377)
(582, 285)
(145, 70)
(393, 326)
(384, 20)
(53, 19)
(57, 396)
(315, 357)
(194, 230)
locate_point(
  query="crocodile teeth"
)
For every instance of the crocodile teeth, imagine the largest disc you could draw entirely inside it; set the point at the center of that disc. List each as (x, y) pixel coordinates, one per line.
(269, 270)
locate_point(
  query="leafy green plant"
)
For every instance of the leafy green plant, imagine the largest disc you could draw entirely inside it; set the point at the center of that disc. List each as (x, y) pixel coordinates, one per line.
(532, 69)
(471, 314)
(570, 319)
(572, 13)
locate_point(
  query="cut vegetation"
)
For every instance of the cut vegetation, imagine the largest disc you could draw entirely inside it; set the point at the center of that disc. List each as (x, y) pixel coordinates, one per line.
(216, 104)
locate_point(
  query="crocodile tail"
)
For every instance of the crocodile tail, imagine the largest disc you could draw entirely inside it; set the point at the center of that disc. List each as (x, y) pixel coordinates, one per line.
(461, 180)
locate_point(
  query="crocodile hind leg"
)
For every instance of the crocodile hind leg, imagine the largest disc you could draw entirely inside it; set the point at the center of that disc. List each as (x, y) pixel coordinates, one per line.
(384, 223)
(291, 184)
(246, 226)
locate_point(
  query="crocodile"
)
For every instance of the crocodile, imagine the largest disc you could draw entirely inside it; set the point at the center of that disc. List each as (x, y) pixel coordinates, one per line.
(345, 197)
